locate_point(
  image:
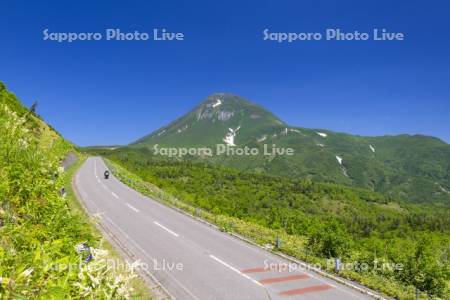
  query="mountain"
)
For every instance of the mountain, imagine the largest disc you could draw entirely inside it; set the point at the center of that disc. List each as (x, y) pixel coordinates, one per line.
(409, 167)
(221, 118)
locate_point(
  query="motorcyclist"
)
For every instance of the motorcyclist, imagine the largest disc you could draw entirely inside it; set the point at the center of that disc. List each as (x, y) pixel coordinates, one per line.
(106, 174)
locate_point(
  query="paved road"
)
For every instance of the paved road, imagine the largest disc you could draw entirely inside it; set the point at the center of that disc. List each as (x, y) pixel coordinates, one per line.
(211, 264)
(69, 160)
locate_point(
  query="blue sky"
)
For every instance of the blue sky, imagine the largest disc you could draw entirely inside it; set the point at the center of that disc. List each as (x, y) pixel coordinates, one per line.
(113, 92)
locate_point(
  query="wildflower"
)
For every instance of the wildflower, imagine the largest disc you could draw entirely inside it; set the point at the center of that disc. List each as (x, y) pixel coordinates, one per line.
(26, 273)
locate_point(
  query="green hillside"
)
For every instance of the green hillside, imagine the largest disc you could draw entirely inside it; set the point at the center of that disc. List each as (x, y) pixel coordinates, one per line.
(211, 121)
(39, 230)
(318, 221)
(414, 168)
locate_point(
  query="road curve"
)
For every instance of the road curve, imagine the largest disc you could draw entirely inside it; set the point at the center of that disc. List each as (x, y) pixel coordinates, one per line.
(190, 259)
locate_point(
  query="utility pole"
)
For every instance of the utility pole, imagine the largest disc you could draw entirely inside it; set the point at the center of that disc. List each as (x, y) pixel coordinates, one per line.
(278, 242)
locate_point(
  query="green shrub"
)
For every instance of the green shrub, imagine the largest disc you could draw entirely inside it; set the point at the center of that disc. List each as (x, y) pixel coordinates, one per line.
(38, 233)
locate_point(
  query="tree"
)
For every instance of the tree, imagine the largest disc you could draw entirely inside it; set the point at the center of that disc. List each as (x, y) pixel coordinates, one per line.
(329, 240)
(34, 107)
(424, 271)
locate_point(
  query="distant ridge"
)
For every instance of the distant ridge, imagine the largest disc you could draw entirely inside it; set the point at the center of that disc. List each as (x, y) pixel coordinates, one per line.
(410, 167)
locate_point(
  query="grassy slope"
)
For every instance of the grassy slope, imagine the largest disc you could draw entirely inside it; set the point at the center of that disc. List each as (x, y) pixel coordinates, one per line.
(39, 229)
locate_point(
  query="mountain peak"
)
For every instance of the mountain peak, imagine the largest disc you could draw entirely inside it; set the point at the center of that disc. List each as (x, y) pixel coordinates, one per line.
(217, 99)
(210, 122)
(234, 104)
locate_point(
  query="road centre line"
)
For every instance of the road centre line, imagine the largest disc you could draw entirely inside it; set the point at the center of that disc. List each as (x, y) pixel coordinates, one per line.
(132, 207)
(234, 269)
(166, 229)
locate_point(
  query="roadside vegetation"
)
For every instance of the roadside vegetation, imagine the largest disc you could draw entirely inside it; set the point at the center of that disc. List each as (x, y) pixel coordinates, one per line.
(41, 251)
(395, 247)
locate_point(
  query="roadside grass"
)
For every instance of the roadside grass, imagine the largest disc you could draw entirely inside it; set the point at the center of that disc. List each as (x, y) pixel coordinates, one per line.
(42, 254)
(43, 234)
(291, 245)
(140, 289)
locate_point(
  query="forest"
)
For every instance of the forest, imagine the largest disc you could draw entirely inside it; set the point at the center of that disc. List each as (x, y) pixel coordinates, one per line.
(359, 226)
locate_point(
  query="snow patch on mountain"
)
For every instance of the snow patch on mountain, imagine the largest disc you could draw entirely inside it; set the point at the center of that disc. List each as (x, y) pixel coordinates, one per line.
(180, 130)
(344, 171)
(262, 139)
(322, 134)
(443, 189)
(229, 137)
(320, 145)
(217, 103)
(295, 130)
(161, 132)
(372, 148)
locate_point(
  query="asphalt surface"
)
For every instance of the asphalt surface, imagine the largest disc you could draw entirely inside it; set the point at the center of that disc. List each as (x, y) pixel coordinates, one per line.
(193, 260)
(69, 160)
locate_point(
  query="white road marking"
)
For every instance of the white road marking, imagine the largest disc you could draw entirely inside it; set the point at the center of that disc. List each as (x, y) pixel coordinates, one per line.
(114, 195)
(218, 260)
(165, 228)
(234, 269)
(132, 207)
(152, 259)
